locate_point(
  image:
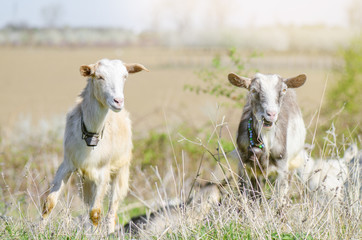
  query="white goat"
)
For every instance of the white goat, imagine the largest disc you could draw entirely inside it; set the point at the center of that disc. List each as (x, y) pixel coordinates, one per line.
(97, 141)
(329, 176)
(271, 132)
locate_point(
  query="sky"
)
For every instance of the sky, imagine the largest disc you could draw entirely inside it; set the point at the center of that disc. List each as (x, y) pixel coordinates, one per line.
(140, 15)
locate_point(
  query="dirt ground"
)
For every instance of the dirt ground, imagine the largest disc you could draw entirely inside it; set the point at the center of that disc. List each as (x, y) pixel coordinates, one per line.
(43, 83)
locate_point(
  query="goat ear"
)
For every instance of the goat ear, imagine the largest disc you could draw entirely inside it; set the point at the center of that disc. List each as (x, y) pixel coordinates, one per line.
(296, 82)
(87, 70)
(239, 81)
(135, 67)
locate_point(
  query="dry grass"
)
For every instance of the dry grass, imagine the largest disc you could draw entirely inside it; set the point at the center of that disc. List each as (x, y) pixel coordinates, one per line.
(308, 216)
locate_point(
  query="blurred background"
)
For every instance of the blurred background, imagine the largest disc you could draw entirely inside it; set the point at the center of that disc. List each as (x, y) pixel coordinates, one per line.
(189, 46)
(43, 43)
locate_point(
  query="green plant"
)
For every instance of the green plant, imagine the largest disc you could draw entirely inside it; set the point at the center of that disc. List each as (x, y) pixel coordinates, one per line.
(214, 78)
(342, 112)
(346, 92)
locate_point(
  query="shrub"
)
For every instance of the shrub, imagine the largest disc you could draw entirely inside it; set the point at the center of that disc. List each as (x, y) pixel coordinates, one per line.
(214, 78)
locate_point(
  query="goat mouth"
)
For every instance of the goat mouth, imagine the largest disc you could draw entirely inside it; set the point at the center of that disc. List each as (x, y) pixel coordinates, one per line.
(266, 123)
(115, 108)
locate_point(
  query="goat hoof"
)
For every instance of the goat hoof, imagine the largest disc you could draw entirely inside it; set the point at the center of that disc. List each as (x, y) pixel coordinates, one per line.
(111, 223)
(110, 229)
(95, 216)
(48, 207)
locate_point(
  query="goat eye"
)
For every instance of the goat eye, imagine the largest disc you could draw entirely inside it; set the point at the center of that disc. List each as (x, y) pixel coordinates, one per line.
(253, 91)
(100, 78)
(284, 90)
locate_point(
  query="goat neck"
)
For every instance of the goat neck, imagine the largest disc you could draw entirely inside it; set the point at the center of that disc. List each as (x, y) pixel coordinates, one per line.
(94, 112)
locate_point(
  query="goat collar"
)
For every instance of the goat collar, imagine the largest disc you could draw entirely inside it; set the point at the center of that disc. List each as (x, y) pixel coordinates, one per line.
(251, 139)
(91, 139)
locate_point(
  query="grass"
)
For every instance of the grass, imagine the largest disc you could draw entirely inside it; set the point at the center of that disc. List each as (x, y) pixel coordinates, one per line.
(166, 175)
(235, 231)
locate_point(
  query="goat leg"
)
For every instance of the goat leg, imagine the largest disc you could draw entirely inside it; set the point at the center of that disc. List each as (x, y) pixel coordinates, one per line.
(61, 178)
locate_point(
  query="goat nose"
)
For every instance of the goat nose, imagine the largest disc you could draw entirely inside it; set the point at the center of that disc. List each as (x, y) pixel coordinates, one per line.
(271, 114)
(118, 100)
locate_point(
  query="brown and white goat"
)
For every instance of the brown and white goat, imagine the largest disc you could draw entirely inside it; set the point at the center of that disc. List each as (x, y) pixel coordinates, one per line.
(271, 132)
(98, 141)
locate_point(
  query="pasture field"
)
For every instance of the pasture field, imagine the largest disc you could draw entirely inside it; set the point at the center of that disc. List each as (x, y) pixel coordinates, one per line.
(42, 83)
(175, 132)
